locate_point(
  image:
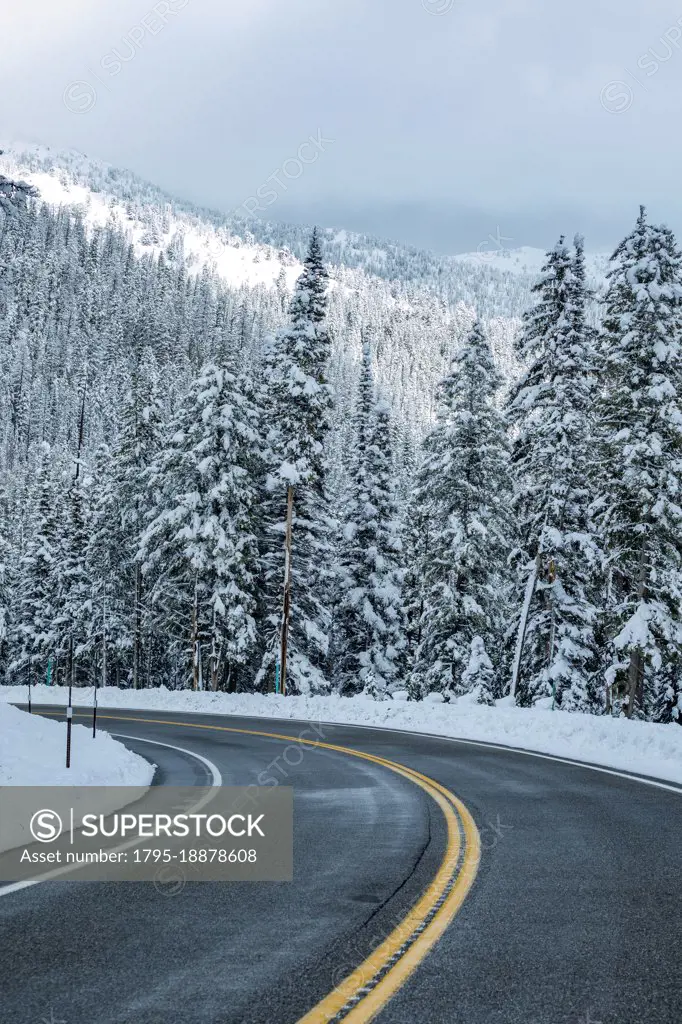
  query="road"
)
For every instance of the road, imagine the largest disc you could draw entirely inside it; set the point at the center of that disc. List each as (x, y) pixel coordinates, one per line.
(574, 916)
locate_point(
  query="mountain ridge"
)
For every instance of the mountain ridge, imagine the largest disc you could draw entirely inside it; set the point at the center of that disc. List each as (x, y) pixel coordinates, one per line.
(467, 277)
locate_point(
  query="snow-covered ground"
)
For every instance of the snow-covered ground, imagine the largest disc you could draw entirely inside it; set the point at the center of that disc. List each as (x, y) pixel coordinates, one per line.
(639, 747)
(33, 753)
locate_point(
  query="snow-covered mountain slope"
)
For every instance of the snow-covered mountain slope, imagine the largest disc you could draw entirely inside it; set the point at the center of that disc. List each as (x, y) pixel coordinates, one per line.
(495, 281)
(252, 251)
(107, 196)
(418, 304)
(527, 260)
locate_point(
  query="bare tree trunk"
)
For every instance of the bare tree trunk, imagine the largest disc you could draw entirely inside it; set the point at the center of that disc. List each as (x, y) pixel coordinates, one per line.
(636, 667)
(287, 591)
(214, 661)
(530, 590)
(195, 640)
(552, 627)
(137, 631)
(104, 638)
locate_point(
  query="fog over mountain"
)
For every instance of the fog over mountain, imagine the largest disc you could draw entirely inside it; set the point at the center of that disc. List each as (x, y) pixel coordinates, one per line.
(448, 119)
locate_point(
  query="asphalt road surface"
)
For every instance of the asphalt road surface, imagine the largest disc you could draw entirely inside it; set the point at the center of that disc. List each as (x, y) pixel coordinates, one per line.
(575, 916)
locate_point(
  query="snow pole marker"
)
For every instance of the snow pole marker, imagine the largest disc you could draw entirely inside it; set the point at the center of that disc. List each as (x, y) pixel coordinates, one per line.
(552, 631)
(69, 709)
(104, 662)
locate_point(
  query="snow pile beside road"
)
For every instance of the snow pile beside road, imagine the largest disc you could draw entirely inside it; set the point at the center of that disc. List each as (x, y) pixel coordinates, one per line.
(33, 753)
(640, 747)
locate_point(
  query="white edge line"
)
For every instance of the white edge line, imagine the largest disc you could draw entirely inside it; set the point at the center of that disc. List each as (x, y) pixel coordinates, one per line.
(213, 769)
(658, 784)
(518, 750)
(217, 781)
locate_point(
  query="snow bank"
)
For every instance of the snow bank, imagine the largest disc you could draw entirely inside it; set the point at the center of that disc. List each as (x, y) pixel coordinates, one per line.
(33, 752)
(639, 747)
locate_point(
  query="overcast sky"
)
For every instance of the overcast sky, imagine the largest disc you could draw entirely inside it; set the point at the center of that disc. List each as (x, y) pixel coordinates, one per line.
(451, 120)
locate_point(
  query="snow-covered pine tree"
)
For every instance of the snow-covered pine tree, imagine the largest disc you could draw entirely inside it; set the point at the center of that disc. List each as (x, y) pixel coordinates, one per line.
(72, 584)
(120, 501)
(33, 638)
(417, 541)
(370, 631)
(586, 690)
(639, 513)
(200, 547)
(549, 412)
(478, 678)
(298, 411)
(464, 483)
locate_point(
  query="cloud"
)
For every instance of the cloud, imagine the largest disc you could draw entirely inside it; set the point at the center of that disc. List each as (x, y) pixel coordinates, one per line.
(431, 104)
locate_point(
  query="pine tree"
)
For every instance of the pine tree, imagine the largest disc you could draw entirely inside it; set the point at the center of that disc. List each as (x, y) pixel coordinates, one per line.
(585, 692)
(478, 677)
(418, 525)
(370, 617)
(464, 484)
(111, 558)
(33, 635)
(71, 582)
(299, 409)
(201, 543)
(120, 503)
(639, 513)
(549, 410)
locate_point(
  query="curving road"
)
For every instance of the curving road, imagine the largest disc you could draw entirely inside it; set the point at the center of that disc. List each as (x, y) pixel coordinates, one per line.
(575, 916)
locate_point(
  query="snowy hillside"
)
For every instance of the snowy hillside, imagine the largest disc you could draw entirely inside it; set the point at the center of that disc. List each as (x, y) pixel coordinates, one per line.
(106, 196)
(419, 304)
(251, 251)
(527, 260)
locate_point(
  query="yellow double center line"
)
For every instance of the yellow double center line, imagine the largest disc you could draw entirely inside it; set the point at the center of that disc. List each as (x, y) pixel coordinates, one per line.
(361, 995)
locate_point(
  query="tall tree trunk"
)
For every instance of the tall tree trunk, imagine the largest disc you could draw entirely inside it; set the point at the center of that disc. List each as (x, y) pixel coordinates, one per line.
(195, 639)
(214, 661)
(138, 627)
(287, 591)
(530, 590)
(636, 667)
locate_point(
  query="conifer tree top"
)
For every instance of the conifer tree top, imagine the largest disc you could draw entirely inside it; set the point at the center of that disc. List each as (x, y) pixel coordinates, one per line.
(308, 304)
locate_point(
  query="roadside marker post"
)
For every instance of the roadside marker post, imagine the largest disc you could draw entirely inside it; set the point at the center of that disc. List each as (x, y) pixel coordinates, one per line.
(104, 661)
(69, 709)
